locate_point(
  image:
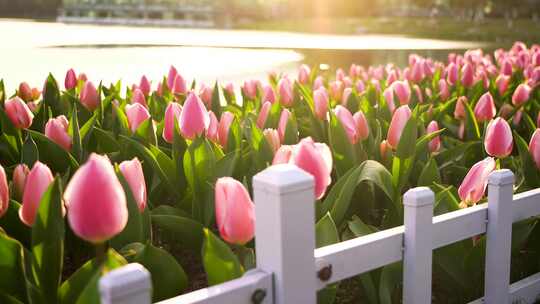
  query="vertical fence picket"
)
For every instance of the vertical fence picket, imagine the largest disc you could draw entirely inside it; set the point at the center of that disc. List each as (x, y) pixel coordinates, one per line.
(285, 232)
(129, 284)
(418, 253)
(499, 237)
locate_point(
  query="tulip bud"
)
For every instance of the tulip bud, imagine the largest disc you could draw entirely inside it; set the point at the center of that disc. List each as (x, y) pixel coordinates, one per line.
(402, 91)
(336, 90)
(345, 98)
(521, 94)
(250, 89)
(171, 77)
(435, 144)
(263, 114)
(56, 129)
(474, 184)
(212, 131)
(361, 123)
(467, 75)
(498, 140)
(235, 212)
(444, 93)
(179, 85)
(505, 111)
(268, 94)
(133, 173)
(534, 147)
(360, 86)
(282, 125)
(19, 113)
(194, 119)
(19, 180)
(272, 136)
(25, 92)
(399, 120)
(389, 98)
(159, 90)
(285, 92)
(485, 108)
(459, 112)
(347, 82)
(37, 182)
(314, 158)
(205, 93)
(145, 86)
(502, 82)
(418, 93)
(417, 72)
(320, 100)
(89, 96)
(319, 82)
(138, 97)
(229, 88)
(136, 114)
(506, 67)
(4, 192)
(172, 114)
(452, 73)
(223, 129)
(303, 74)
(348, 123)
(71, 80)
(96, 202)
(384, 150)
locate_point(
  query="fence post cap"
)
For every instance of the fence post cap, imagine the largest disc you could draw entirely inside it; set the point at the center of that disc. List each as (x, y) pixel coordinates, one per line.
(125, 280)
(283, 178)
(501, 177)
(419, 196)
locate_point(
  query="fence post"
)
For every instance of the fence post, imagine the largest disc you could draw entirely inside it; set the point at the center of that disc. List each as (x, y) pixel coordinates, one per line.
(129, 284)
(285, 232)
(499, 237)
(417, 240)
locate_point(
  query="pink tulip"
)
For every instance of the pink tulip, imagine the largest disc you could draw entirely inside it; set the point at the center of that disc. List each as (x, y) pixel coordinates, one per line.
(474, 184)
(25, 91)
(452, 73)
(319, 82)
(444, 92)
(285, 92)
(136, 114)
(225, 122)
(360, 86)
(485, 108)
(205, 93)
(502, 82)
(340, 74)
(35, 94)
(399, 120)
(361, 123)
(194, 119)
(179, 85)
(402, 91)
(138, 97)
(82, 78)
(417, 71)
(304, 74)
(19, 179)
(250, 89)
(134, 175)
(263, 114)
(521, 94)
(320, 100)
(346, 94)
(347, 82)
(37, 182)
(467, 75)
(348, 123)
(336, 90)
(435, 144)
(56, 129)
(19, 113)
(418, 93)
(4, 192)
(498, 140)
(506, 67)
(171, 77)
(70, 81)
(314, 158)
(235, 212)
(282, 125)
(389, 98)
(384, 149)
(268, 94)
(534, 147)
(505, 111)
(459, 112)
(272, 136)
(145, 86)
(229, 88)
(172, 115)
(96, 202)
(212, 130)
(89, 96)
(159, 90)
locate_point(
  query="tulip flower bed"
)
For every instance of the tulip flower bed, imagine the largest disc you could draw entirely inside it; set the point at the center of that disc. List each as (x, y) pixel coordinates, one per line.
(93, 176)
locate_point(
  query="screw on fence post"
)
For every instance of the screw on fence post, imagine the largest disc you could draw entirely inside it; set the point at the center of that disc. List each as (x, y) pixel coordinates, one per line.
(130, 284)
(499, 237)
(285, 232)
(418, 250)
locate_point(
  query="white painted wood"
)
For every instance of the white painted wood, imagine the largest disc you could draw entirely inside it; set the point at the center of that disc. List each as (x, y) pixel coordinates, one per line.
(458, 225)
(239, 291)
(361, 254)
(417, 241)
(499, 237)
(285, 232)
(130, 284)
(526, 291)
(526, 205)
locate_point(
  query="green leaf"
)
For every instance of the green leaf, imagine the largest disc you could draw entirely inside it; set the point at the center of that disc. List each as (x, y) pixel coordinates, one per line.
(12, 280)
(471, 125)
(58, 159)
(187, 231)
(359, 228)
(48, 242)
(342, 150)
(30, 153)
(51, 97)
(106, 141)
(146, 132)
(168, 277)
(291, 131)
(12, 225)
(528, 166)
(75, 134)
(220, 263)
(430, 174)
(391, 277)
(407, 141)
(326, 231)
(216, 102)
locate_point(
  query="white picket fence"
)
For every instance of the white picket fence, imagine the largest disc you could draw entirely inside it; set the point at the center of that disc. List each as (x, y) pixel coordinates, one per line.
(290, 270)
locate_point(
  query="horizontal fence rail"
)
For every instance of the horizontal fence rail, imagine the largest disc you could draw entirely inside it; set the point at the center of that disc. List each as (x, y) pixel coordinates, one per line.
(289, 266)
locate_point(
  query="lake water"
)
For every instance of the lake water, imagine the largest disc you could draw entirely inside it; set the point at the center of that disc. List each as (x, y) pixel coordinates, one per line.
(30, 50)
